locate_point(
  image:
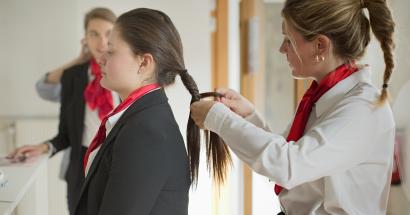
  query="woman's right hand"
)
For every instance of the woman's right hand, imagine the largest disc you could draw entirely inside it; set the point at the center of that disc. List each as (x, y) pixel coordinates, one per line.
(236, 102)
(30, 151)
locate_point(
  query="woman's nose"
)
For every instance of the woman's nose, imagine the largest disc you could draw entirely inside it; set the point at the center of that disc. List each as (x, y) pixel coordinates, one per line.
(282, 48)
(103, 60)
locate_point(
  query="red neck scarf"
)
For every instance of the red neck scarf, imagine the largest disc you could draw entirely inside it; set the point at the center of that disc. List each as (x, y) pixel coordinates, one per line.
(311, 96)
(96, 96)
(100, 136)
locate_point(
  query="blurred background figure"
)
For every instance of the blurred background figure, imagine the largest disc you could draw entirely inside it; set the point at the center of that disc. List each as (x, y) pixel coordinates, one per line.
(83, 101)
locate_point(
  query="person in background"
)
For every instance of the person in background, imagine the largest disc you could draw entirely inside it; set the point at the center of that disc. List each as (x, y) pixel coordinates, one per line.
(336, 157)
(48, 87)
(83, 102)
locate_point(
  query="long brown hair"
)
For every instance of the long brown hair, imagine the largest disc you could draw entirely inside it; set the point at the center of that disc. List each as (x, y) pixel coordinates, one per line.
(346, 24)
(99, 13)
(152, 31)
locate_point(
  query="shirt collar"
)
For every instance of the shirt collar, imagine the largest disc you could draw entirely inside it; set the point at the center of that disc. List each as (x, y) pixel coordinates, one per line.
(337, 92)
(112, 120)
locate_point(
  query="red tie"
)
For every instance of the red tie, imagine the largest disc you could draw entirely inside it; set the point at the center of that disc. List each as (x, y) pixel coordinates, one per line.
(311, 96)
(97, 96)
(100, 136)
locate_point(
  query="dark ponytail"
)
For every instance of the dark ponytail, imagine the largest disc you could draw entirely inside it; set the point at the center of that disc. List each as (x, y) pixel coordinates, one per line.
(152, 31)
(217, 152)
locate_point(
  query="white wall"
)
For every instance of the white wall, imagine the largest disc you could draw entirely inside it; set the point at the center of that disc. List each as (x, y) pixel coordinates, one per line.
(36, 36)
(402, 35)
(33, 40)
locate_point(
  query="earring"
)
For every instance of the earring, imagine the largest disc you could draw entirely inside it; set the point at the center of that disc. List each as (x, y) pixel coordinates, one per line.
(139, 68)
(320, 59)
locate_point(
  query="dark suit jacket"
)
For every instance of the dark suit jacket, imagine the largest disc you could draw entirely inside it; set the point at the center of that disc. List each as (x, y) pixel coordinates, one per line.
(142, 166)
(71, 126)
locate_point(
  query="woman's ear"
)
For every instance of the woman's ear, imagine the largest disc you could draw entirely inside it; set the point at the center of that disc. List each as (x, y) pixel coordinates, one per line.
(146, 63)
(322, 45)
(147, 68)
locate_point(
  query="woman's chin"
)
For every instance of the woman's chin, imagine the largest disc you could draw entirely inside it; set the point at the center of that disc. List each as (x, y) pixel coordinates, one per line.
(296, 74)
(299, 76)
(104, 83)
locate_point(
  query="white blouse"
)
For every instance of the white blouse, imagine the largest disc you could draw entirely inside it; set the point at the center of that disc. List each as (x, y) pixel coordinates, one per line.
(342, 164)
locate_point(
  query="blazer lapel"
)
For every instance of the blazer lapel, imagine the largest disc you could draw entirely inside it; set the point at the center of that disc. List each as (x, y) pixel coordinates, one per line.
(82, 81)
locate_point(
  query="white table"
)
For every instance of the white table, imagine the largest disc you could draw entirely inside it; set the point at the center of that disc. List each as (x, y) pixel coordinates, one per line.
(20, 178)
(5, 208)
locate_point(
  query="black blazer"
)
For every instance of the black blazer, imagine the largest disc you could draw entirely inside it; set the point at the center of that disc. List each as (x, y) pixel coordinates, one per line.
(142, 166)
(71, 126)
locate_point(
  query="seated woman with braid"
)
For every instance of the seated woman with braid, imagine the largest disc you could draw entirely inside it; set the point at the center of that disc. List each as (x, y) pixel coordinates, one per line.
(137, 162)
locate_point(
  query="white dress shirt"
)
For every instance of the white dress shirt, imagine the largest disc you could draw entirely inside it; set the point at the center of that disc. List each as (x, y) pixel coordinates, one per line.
(342, 164)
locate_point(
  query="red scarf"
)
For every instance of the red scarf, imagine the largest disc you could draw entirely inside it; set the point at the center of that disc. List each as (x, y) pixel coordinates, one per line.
(311, 96)
(96, 96)
(100, 136)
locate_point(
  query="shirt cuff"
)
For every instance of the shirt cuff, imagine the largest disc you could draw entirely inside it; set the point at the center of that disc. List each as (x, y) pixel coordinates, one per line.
(215, 117)
(51, 149)
(48, 91)
(253, 117)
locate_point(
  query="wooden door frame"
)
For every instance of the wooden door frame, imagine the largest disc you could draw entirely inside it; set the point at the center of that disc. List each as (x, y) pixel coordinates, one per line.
(219, 44)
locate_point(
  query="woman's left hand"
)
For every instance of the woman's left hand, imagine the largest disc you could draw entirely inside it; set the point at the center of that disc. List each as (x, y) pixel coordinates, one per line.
(199, 111)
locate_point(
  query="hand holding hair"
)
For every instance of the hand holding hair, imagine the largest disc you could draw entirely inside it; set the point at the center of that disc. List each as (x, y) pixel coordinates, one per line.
(236, 102)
